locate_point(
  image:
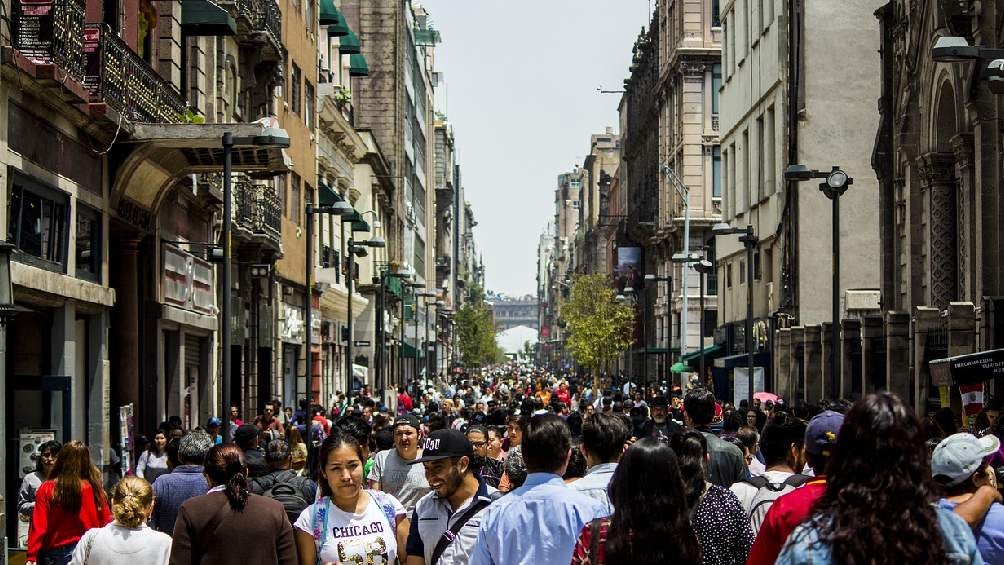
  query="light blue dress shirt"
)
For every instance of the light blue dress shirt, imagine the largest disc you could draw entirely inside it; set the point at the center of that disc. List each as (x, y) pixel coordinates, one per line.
(595, 483)
(537, 523)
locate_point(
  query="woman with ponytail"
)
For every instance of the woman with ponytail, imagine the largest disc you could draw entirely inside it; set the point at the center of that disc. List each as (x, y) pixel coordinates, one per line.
(127, 540)
(229, 525)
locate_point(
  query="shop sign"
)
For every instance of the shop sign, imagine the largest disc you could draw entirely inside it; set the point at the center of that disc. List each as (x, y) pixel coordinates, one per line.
(291, 326)
(187, 281)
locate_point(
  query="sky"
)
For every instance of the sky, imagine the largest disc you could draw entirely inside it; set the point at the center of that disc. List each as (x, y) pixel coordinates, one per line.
(520, 90)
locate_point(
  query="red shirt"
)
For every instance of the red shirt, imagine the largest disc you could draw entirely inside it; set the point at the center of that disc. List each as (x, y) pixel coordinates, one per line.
(784, 516)
(404, 403)
(52, 526)
(319, 419)
(581, 554)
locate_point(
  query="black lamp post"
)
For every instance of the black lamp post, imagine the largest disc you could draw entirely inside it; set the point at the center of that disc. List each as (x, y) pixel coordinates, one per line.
(669, 323)
(269, 137)
(835, 183)
(355, 248)
(704, 267)
(749, 239)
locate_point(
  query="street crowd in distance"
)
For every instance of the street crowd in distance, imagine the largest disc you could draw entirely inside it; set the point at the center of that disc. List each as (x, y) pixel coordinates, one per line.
(515, 465)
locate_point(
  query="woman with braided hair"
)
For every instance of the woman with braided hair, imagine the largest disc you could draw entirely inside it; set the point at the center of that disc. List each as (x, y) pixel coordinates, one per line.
(127, 540)
(229, 525)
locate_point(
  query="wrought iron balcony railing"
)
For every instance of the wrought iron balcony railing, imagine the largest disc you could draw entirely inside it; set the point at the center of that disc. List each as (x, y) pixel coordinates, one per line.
(51, 32)
(263, 15)
(117, 76)
(257, 209)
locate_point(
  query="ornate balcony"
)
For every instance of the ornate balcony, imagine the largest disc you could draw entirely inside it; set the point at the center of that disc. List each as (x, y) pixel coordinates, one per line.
(259, 24)
(47, 41)
(257, 210)
(116, 76)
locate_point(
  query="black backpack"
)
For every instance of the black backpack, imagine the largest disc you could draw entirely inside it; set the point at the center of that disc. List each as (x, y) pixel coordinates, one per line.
(287, 490)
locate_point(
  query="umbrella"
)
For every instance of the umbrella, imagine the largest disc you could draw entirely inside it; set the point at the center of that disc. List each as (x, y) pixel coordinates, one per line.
(765, 397)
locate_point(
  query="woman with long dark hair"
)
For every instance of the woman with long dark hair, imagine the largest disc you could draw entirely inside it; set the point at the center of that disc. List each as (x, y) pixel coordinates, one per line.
(153, 462)
(651, 519)
(229, 525)
(718, 517)
(349, 524)
(878, 505)
(68, 504)
(47, 453)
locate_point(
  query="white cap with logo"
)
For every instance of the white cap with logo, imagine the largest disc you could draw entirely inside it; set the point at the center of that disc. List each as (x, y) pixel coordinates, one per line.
(959, 456)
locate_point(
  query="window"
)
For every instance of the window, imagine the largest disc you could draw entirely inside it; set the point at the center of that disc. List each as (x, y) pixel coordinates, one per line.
(419, 256)
(730, 47)
(760, 139)
(735, 207)
(716, 19)
(742, 27)
(294, 198)
(279, 183)
(308, 104)
(757, 270)
(716, 87)
(769, 153)
(767, 7)
(311, 18)
(728, 275)
(716, 171)
(747, 185)
(768, 264)
(38, 219)
(88, 247)
(294, 89)
(742, 271)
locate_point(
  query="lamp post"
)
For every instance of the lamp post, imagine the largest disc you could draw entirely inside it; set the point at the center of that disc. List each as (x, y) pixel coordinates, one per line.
(958, 50)
(683, 192)
(703, 267)
(269, 137)
(834, 185)
(749, 239)
(355, 248)
(669, 322)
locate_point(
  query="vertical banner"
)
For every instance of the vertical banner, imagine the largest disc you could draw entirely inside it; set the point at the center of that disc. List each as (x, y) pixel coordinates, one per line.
(972, 401)
(126, 437)
(741, 390)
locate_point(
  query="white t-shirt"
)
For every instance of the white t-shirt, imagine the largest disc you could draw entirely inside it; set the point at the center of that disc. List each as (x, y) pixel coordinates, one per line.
(115, 544)
(365, 538)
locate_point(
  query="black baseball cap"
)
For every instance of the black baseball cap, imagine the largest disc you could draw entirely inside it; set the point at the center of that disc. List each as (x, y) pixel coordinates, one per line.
(407, 420)
(659, 402)
(443, 444)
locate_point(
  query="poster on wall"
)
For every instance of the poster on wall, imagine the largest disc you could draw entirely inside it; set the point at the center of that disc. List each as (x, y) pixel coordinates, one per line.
(741, 390)
(629, 266)
(126, 435)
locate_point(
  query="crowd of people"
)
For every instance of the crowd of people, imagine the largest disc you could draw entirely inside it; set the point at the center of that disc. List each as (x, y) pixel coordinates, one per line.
(520, 466)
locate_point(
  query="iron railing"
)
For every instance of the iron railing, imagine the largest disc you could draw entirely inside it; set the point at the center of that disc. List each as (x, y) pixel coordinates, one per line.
(117, 76)
(263, 15)
(257, 208)
(51, 32)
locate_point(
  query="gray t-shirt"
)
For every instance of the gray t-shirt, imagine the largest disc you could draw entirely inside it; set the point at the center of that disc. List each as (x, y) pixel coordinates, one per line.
(405, 482)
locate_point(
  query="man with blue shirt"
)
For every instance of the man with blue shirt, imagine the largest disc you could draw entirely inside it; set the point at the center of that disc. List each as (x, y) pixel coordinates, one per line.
(959, 465)
(603, 440)
(540, 521)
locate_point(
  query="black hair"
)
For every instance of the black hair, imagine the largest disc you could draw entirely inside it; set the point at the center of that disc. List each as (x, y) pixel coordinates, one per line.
(172, 449)
(331, 443)
(778, 437)
(277, 451)
(604, 436)
(478, 428)
(700, 406)
(384, 439)
(750, 437)
(691, 449)
(53, 447)
(546, 441)
(651, 519)
(355, 427)
(576, 468)
(436, 422)
(225, 466)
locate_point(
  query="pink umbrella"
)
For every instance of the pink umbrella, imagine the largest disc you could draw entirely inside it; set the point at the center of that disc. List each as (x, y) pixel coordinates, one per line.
(765, 397)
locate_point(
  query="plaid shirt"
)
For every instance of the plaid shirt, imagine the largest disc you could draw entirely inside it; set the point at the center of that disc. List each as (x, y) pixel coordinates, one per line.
(492, 471)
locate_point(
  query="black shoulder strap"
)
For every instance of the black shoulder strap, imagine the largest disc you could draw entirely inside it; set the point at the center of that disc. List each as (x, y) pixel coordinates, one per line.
(797, 480)
(449, 535)
(759, 481)
(594, 540)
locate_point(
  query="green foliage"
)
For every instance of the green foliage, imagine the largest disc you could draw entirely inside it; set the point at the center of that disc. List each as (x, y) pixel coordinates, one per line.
(192, 117)
(600, 327)
(476, 331)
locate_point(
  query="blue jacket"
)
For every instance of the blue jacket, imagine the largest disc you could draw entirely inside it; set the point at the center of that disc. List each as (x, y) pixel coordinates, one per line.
(173, 489)
(804, 548)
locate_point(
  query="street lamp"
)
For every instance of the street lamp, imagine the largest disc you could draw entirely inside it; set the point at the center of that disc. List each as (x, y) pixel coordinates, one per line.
(704, 267)
(355, 248)
(269, 137)
(669, 320)
(749, 239)
(958, 50)
(835, 183)
(7, 310)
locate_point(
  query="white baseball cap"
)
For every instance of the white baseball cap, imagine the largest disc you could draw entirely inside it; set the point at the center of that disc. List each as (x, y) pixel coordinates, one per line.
(959, 456)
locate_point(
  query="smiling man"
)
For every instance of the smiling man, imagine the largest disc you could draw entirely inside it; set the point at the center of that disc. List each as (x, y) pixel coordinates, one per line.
(392, 472)
(444, 525)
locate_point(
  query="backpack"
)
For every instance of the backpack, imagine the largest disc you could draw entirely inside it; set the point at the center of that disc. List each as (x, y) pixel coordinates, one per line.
(286, 490)
(767, 493)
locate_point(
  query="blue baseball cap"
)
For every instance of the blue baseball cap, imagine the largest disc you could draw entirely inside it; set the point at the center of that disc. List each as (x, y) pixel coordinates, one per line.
(822, 431)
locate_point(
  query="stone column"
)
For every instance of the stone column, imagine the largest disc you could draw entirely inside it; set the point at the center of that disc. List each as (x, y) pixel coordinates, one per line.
(813, 357)
(897, 356)
(961, 328)
(124, 354)
(825, 349)
(64, 364)
(937, 175)
(796, 364)
(782, 362)
(969, 220)
(872, 350)
(926, 320)
(850, 355)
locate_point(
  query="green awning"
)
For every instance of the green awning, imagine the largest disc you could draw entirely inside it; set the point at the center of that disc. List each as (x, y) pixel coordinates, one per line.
(349, 45)
(394, 286)
(358, 66)
(326, 196)
(203, 18)
(694, 356)
(340, 29)
(355, 216)
(408, 351)
(329, 13)
(360, 225)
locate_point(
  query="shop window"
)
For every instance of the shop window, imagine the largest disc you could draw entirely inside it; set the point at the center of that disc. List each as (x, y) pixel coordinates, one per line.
(88, 248)
(38, 219)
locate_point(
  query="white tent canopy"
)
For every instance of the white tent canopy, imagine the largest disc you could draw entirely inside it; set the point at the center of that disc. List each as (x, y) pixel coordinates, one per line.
(512, 340)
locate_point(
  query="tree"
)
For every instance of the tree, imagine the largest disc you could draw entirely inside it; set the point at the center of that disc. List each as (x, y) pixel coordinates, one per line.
(600, 327)
(476, 330)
